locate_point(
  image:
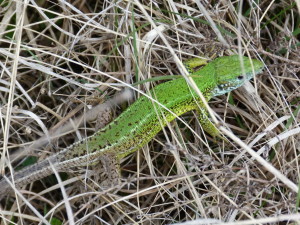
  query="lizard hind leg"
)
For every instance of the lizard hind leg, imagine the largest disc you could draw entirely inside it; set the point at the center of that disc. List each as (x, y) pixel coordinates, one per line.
(111, 175)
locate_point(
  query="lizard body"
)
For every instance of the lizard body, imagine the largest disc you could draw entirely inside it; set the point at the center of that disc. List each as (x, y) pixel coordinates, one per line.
(137, 125)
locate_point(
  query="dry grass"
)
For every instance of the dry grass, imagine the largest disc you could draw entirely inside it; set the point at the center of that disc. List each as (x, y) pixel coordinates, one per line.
(59, 59)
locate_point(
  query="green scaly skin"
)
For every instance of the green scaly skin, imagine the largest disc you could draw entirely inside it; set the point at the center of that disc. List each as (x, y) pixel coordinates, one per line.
(137, 125)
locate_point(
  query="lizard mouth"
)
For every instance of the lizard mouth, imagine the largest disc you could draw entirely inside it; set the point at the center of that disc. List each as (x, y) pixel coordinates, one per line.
(225, 88)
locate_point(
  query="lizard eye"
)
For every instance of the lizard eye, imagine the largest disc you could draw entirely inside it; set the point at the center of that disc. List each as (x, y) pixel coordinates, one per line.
(240, 77)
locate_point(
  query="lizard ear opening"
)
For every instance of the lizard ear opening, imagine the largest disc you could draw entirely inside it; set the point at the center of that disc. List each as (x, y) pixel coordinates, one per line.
(241, 77)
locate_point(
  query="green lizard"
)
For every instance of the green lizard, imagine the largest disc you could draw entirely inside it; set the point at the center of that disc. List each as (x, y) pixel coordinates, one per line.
(137, 125)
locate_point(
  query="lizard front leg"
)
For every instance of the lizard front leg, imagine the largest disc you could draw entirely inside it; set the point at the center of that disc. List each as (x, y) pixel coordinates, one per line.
(206, 124)
(193, 63)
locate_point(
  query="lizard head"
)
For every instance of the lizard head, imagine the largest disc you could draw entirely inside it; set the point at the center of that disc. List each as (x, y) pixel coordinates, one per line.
(231, 72)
